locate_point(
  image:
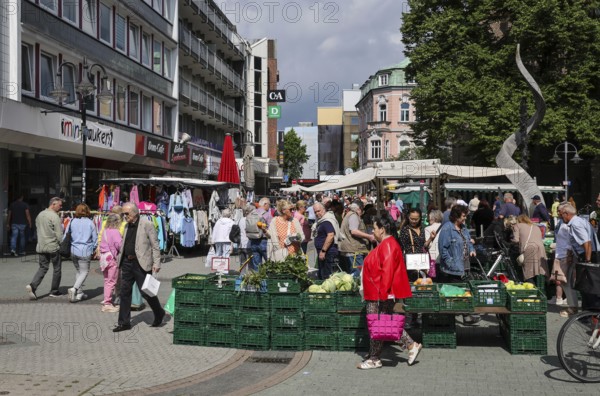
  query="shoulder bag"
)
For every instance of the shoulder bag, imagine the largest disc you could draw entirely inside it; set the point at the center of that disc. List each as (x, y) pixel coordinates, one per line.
(521, 257)
(416, 261)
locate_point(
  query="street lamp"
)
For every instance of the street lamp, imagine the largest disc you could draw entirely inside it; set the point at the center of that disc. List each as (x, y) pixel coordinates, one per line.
(85, 89)
(567, 148)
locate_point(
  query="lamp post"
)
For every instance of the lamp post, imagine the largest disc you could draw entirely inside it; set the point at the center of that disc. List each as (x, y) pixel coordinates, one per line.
(567, 148)
(84, 89)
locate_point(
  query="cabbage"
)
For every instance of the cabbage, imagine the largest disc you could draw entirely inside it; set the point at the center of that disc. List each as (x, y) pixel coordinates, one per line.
(347, 278)
(329, 286)
(314, 289)
(345, 286)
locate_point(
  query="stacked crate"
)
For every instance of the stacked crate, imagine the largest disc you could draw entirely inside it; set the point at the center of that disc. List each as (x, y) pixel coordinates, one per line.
(190, 310)
(352, 322)
(525, 328)
(287, 320)
(320, 310)
(439, 331)
(488, 293)
(425, 298)
(221, 312)
(253, 321)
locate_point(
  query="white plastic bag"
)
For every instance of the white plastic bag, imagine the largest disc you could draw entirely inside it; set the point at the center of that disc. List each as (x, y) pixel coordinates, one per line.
(151, 285)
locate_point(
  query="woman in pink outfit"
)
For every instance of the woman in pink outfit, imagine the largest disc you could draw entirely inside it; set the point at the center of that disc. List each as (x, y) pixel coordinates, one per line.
(109, 251)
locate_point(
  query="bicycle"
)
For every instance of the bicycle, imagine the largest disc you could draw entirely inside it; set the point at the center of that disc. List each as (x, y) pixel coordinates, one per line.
(578, 346)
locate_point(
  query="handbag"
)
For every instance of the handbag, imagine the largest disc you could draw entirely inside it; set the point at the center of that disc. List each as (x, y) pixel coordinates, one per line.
(587, 278)
(64, 249)
(151, 285)
(416, 261)
(385, 327)
(521, 257)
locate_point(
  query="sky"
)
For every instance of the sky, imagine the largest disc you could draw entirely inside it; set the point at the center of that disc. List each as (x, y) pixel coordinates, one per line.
(322, 47)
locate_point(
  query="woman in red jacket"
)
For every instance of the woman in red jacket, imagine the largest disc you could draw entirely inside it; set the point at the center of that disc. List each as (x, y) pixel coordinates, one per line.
(384, 280)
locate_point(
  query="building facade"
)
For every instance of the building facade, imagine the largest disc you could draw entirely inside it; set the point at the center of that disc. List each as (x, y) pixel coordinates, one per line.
(386, 113)
(351, 127)
(329, 122)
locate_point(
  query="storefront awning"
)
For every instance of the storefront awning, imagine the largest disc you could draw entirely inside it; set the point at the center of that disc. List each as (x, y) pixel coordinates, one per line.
(495, 187)
(167, 181)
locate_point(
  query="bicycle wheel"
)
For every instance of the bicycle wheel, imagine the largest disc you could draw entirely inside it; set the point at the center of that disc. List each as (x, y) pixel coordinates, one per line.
(578, 347)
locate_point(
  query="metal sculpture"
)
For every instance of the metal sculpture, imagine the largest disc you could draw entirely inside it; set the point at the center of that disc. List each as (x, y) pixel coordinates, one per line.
(523, 182)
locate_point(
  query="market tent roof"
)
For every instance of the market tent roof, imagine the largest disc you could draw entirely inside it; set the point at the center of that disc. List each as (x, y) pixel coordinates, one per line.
(416, 169)
(294, 188)
(169, 181)
(495, 187)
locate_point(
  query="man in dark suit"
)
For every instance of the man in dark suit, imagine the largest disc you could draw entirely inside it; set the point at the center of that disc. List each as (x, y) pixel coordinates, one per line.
(139, 256)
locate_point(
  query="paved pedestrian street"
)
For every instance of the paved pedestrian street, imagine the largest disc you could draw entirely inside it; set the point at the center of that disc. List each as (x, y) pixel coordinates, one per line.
(53, 347)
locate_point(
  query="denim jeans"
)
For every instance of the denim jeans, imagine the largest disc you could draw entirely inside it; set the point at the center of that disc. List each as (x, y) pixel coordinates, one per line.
(259, 251)
(18, 230)
(44, 261)
(354, 264)
(82, 266)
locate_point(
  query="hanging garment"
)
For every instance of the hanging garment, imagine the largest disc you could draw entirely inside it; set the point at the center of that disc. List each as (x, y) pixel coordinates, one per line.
(214, 213)
(188, 232)
(198, 197)
(116, 197)
(134, 195)
(162, 201)
(187, 197)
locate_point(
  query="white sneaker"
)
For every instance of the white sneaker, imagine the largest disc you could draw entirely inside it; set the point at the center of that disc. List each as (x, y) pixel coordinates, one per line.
(110, 308)
(31, 292)
(413, 353)
(71, 293)
(561, 301)
(81, 296)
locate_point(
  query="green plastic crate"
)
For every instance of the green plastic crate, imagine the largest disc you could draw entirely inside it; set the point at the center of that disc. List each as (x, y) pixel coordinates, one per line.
(189, 335)
(190, 315)
(219, 338)
(433, 321)
(283, 286)
(493, 296)
(532, 300)
(325, 340)
(226, 283)
(287, 341)
(195, 298)
(456, 304)
(190, 282)
(287, 320)
(525, 324)
(315, 320)
(439, 339)
(425, 298)
(525, 344)
(349, 322)
(221, 318)
(285, 302)
(319, 302)
(257, 340)
(248, 301)
(353, 340)
(221, 300)
(253, 320)
(349, 301)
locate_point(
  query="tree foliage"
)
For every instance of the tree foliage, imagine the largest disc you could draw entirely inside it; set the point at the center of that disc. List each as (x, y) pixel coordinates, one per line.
(469, 88)
(294, 154)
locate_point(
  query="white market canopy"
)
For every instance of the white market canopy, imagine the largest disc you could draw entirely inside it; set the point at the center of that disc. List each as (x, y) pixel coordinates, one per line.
(294, 188)
(169, 181)
(416, 169)
(495, 187)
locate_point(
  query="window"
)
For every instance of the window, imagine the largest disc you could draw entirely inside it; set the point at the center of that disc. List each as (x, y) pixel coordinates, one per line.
(46, 74)
(146, 113)
(169, 9)
(88, 17)
(404, 112)
(168, 123)
(26, 70)
(106, 108)
(121, 102)
(134, 41)
(68, 80)
(69, 10)
(257, 63)
(353, 120)
(120, 33)
(354, 137)
(157, 56)
(157, 112)
(158, 6)
(375, 149)
(168, 63)
(134, 108)
(404, 145)
(90, 103)
(383, 80)
(353, 154)
(146, 49)
(383, 112)
(105, 24)
(49, 5)
(386, 150)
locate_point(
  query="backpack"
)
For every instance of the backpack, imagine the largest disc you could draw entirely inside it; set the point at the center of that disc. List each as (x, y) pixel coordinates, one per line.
(252, 229)
(235, 235)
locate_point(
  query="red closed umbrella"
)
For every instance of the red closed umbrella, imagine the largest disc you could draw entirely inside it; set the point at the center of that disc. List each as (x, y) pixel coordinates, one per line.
(228, 170)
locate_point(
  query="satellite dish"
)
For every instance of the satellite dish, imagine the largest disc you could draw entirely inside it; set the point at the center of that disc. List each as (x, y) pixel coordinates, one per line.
(348, 171)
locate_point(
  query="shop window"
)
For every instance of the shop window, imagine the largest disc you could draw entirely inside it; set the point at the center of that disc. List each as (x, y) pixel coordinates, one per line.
(158, 119)
(134, 108)
(26, 68)
(47, 73)
(375, 149)
(120, 33)
(121, 102)
(88, 17)
(105, 24)
(157, 56)
(70, 9)
(146, 113)
(146, 43)
(134, 41)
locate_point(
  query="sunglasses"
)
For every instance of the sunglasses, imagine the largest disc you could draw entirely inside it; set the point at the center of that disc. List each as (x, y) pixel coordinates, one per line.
(125, 214)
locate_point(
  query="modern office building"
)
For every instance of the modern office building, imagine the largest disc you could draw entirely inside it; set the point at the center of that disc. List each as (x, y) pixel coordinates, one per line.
(386, 113)
(351, 127)
(329, 121)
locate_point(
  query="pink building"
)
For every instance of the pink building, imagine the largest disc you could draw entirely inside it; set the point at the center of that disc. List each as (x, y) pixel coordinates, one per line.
(386, 114)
